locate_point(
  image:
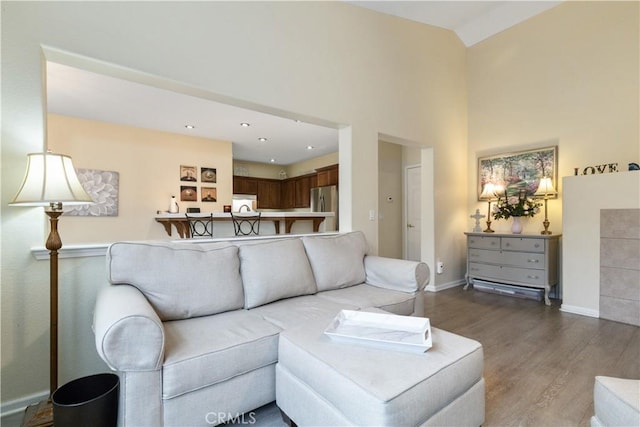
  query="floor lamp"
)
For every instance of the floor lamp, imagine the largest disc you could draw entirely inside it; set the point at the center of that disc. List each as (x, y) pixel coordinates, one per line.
(51, 181)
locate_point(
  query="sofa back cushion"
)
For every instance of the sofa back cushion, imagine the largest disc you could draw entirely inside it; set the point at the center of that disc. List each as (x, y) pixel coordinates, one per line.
(179, 280)
(337, 261)
(275, 270)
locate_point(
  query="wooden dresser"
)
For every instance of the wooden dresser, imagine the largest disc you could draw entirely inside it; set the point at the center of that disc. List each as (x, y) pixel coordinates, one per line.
(524, 260)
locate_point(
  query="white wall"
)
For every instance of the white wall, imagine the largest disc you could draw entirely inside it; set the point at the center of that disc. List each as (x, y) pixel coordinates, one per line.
(584, 197)
(329, 61)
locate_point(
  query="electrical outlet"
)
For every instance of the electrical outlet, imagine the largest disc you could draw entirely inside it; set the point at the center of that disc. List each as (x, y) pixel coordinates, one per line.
(372, 215)
(440, 267)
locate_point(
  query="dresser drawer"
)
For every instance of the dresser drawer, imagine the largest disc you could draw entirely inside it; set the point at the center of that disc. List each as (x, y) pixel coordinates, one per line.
(524, 276)
(513, 259)
(482, 242)
(522, 244)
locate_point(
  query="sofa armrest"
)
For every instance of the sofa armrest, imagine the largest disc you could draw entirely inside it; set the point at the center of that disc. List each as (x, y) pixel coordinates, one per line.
(129, 333)
(396, 274)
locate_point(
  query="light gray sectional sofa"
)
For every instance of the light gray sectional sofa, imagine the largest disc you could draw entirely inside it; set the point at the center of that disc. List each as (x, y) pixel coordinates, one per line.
(192, 328)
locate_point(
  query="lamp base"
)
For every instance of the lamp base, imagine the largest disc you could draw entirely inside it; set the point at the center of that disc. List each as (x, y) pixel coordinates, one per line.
(38, 415)
(546, 231)
(488, 230)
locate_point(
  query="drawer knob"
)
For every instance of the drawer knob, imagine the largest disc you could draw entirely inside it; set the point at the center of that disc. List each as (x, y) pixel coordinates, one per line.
(537, 245)
(508, 244)
(493, 243)
(531, 277)
(535, 261)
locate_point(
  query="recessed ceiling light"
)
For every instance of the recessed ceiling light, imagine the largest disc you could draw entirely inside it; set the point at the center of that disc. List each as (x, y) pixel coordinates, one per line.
(262, 139)
(310, 147)
(190, 126)
(245, 124)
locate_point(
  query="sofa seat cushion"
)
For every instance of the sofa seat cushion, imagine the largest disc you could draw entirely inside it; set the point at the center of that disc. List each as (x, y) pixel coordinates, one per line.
(293, 312)
(179, 280)
(207, 350)
(275, 270)
(365, 296)
(337, 261)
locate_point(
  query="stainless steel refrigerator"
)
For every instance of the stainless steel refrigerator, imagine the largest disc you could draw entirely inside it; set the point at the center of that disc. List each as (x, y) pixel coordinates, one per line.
(325, 199)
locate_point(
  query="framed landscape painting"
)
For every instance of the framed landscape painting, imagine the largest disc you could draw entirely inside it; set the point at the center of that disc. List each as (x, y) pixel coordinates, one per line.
(519, 171)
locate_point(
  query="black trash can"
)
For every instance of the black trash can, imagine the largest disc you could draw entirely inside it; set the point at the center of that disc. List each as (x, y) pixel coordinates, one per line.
(88, 401)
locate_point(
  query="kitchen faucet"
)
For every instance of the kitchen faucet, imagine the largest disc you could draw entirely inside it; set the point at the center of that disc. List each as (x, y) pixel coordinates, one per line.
(244, 206)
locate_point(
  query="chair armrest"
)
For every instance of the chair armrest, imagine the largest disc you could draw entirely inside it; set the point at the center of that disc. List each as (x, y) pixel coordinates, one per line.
(396, 274)
(129, 333)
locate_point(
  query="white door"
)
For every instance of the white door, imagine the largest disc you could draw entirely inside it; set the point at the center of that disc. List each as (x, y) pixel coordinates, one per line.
(413, 213)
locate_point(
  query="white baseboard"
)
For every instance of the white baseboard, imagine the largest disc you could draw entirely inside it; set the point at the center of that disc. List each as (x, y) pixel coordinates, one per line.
(443, 286)
(19, 405)
(574, 309)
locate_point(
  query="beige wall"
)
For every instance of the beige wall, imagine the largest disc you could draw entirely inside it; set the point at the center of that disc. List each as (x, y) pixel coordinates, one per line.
(330, 62)
(258, 170)
(390, 185)
(149, 166)
(567, 77)
(308, 166)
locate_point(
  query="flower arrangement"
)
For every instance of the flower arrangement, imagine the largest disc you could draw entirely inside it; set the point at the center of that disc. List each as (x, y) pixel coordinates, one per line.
(517, 205)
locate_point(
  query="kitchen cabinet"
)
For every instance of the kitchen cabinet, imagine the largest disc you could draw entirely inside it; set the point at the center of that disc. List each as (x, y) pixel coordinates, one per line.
(245, 185)
(529, 261)
(277, 194)
(327, 176)
(268, 194)
(287, 194)
(302, 188)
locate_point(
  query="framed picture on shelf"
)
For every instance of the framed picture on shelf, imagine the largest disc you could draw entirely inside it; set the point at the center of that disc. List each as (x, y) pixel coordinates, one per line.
(188, 173)
(188, 193)
(208, 175)
(208, 194)
(518, 171)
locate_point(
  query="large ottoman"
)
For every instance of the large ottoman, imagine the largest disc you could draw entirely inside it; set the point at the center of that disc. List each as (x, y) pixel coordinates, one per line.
(326, 383)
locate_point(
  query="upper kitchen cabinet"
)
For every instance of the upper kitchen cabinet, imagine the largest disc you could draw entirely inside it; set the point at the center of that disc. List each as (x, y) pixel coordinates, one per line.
(245, 185)
(327, 176)
(269, 194)
(302, 187)
(287, 194)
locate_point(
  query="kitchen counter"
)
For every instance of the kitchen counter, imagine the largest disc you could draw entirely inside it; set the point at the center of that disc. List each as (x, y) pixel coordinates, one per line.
(180, 223)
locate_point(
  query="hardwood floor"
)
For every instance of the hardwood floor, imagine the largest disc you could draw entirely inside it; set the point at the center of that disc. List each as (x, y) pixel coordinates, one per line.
(540, 363)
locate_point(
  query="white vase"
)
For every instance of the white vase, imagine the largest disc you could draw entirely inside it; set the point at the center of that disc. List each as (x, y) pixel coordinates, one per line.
(173, 205)
(516, 225)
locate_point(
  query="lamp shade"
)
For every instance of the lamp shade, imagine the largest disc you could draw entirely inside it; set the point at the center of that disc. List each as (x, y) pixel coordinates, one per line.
(545, 187)
(488, 192)
(50, 178)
